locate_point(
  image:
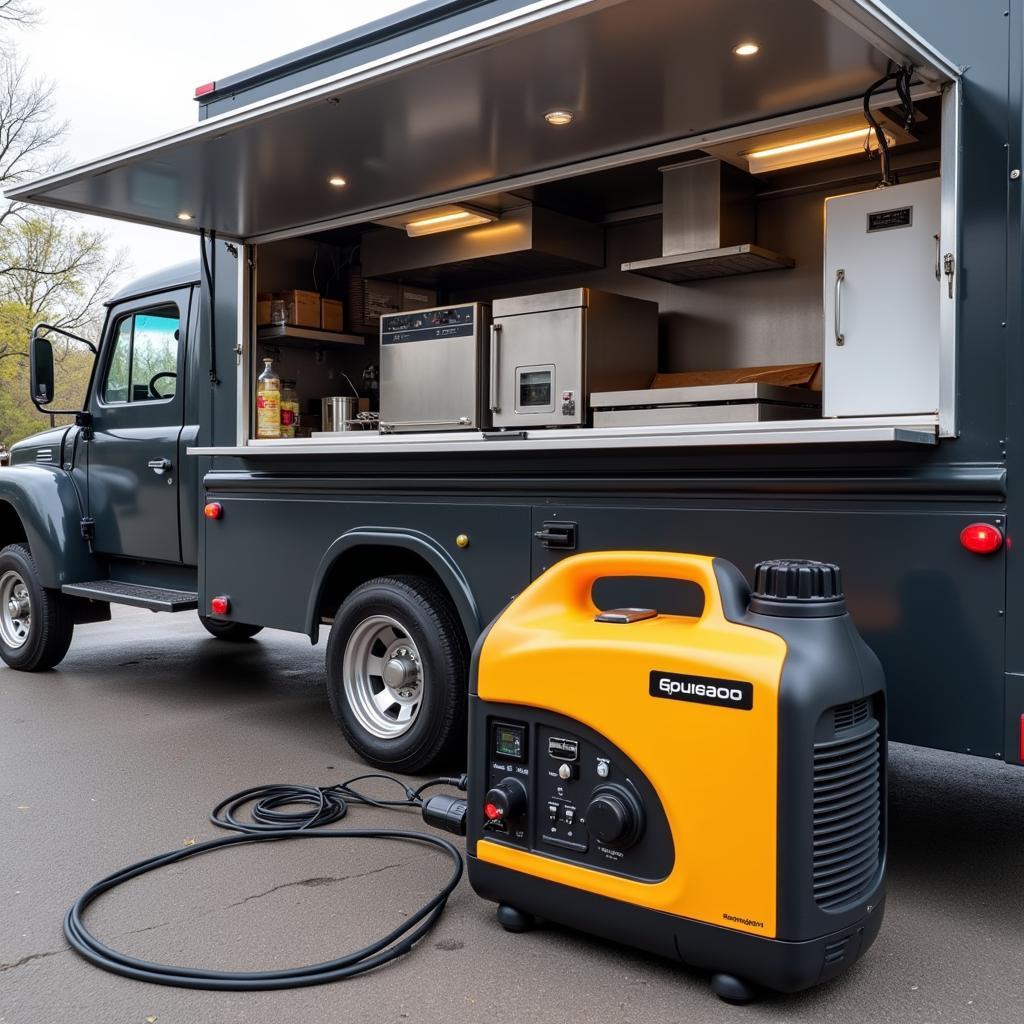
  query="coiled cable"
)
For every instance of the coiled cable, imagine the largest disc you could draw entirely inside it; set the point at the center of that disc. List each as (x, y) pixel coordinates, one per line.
(271, 822)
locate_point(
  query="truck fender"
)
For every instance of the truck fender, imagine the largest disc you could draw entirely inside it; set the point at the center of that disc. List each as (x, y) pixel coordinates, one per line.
(446, 568)
(45, 500)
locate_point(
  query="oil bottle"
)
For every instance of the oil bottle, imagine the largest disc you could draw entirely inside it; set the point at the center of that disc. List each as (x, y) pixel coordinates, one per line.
(268, 402)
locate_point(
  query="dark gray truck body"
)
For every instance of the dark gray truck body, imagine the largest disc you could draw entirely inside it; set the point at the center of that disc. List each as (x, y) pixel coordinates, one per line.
(298, 533)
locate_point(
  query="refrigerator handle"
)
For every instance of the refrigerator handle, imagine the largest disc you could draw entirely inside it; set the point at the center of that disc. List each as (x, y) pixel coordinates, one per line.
(840, 278)
(495, 340)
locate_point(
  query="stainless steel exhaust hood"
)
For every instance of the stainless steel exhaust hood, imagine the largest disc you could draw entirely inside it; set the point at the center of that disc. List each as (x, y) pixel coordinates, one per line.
(524, 242)
(708, 225)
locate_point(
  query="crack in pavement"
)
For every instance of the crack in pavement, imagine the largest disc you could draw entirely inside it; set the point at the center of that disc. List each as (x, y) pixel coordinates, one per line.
(31, 956)
(304, 882)
(313, 882)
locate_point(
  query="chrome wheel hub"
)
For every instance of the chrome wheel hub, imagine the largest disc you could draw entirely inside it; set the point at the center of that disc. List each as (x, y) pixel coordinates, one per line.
(383, 676)
(15, 609)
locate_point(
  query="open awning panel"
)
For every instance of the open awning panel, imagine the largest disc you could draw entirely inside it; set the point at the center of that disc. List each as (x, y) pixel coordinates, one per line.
(470, 110)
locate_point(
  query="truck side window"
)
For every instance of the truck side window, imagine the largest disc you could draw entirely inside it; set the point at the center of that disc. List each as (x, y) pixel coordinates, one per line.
(144, 362)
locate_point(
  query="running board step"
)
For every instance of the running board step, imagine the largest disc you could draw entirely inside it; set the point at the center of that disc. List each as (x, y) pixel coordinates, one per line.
(156, 599)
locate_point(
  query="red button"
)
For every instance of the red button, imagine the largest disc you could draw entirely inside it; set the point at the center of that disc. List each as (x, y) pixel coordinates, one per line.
(491, 812)
(213, 510)
(220, 605)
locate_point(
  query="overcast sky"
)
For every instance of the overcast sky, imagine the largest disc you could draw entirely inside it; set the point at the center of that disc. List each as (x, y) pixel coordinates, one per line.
(126, 70)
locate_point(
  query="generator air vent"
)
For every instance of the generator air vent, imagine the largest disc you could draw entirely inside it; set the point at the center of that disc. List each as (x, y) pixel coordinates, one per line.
(847, 809)
(835, 952)
(849, 715)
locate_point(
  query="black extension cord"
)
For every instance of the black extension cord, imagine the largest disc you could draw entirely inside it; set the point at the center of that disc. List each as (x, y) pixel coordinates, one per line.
(270, 822)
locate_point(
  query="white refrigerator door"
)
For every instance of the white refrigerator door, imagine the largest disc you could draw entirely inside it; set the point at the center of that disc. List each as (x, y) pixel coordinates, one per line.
(882, 296)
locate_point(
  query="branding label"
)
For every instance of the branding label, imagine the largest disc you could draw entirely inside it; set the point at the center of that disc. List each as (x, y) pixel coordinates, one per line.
(883, 220)
(725, 693)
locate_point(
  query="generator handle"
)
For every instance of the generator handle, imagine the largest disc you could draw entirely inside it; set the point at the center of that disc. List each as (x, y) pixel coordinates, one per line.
(571, 580)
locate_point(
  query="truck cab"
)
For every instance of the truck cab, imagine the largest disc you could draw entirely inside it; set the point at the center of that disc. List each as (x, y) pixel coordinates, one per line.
(106, 510)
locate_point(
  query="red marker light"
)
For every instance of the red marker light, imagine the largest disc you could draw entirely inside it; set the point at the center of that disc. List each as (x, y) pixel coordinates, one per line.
(220, 605)
(491, 812)
(213, 510)
(205, 89)
(981, 538)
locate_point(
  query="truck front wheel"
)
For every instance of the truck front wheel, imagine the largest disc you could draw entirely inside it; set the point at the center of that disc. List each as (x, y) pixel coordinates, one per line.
(35, 623)
(396, 674)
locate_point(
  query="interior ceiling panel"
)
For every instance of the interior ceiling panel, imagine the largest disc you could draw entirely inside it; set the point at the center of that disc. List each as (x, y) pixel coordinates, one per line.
(635, 73)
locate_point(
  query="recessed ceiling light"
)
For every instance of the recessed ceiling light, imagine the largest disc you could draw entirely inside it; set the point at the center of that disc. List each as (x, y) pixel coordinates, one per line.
(337, 181)
(559, 117)
(805, 151)
(184, 216)
(446, 218)
(746, 49)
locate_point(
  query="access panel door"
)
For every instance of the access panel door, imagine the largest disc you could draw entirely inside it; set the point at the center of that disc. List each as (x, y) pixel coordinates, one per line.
(137, 407)
(883, 286)
(537, 374)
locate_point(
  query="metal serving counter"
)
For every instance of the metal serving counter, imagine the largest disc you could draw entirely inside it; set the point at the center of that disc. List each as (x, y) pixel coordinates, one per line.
(867, 430)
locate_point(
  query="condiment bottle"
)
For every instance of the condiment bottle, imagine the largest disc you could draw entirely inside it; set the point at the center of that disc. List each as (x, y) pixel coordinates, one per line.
(289, 408)
(268, 402)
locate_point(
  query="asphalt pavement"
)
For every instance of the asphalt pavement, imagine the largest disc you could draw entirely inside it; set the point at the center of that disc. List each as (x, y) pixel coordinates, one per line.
(121, 752)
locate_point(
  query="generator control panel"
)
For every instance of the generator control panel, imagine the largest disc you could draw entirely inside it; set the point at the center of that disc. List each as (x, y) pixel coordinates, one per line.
(557, 788)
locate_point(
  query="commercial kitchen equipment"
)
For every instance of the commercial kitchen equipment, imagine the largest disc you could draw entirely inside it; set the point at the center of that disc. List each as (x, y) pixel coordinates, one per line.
(433, 369)
(884, 278)
(549, 352)
(714, 403)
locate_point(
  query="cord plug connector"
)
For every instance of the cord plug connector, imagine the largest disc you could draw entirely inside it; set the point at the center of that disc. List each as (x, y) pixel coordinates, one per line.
(447, 813)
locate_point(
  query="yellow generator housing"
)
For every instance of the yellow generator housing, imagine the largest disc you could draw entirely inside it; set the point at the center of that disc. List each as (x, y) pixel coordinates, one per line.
(708, 788)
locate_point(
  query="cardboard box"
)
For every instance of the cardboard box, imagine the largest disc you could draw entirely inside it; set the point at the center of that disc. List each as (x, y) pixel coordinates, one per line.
(331, 315)
(263, 309)
(380, 297)
(303, 307)
(417, 298)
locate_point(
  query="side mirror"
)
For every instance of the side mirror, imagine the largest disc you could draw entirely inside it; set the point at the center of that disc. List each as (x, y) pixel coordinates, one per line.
(41, 370)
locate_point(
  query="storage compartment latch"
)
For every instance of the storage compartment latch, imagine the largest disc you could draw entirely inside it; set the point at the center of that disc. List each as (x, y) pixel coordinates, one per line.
(557, 535)
(948, 264)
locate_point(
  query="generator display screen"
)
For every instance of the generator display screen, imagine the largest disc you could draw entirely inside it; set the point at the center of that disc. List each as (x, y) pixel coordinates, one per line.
(510, 741)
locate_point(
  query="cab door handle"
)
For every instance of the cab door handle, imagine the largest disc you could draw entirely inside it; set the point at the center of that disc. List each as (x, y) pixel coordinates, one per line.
(159, 465)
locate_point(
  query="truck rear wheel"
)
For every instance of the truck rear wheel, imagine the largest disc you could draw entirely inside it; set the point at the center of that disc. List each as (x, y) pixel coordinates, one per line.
(35, 623)
(396, 674)
(233, 632)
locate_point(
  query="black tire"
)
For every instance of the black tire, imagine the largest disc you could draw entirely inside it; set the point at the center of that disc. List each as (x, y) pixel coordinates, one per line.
(233, 632)
(437, 734)
(51, 623)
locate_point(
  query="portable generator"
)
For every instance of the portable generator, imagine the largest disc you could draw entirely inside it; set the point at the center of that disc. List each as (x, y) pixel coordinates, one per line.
(709, 788)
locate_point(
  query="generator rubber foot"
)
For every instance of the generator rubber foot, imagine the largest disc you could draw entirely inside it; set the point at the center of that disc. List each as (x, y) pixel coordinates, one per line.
(513, 920)
(731, 989)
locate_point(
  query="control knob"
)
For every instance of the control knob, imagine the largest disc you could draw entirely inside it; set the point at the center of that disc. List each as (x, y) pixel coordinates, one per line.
(614, 816)
(505, 801)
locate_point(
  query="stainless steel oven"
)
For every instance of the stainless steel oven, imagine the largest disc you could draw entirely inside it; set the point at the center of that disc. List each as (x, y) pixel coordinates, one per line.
(433, 369)
(550, 351)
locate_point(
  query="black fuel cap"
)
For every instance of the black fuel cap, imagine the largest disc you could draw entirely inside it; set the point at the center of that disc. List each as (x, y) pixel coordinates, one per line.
(799, 587)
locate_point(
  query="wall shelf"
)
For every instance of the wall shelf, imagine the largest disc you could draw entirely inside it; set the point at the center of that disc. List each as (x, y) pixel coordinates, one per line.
(305, 335)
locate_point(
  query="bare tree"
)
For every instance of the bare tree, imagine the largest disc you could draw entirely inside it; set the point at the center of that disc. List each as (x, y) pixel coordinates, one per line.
(18, 12)
(29, 131)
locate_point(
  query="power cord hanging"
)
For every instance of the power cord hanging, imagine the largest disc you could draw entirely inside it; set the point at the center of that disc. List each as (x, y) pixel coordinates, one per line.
(902, 76)
(211, 290)
(270, 821)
